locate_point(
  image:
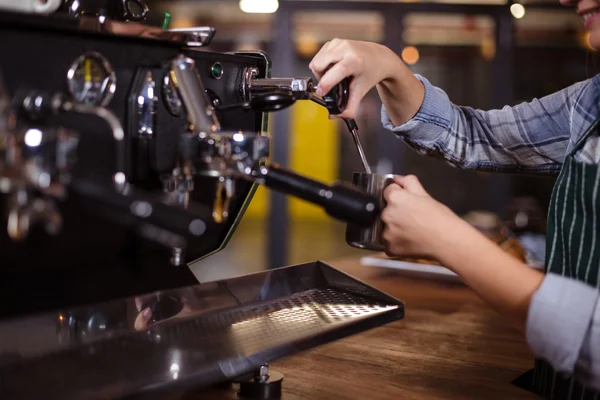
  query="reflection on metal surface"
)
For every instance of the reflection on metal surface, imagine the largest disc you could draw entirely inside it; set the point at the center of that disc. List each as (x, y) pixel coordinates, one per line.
(300, 315)
(192, 93)
(146, 107)
(195, 37)
(191, 37)
(91, 80)
(119, 177)
(221, 331)
(135, 10)
(170, 96)
(231, 154)
(225, 191)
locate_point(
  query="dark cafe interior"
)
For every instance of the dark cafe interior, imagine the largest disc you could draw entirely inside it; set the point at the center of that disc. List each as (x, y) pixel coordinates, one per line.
(299, 199)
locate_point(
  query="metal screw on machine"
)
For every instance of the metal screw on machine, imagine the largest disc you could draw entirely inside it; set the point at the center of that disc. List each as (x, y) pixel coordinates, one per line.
(262, 385)
(263, 373)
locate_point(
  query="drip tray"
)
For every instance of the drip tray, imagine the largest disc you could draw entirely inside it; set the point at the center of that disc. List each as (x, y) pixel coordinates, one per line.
(197, 336)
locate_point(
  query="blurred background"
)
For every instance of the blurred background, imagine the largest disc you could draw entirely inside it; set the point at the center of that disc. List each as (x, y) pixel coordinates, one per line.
(484, 54)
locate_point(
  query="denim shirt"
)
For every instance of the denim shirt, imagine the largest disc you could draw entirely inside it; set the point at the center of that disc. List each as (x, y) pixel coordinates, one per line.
(563, 324)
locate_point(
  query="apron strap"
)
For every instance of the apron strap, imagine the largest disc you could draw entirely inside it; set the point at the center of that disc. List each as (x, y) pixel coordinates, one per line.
(592, 128)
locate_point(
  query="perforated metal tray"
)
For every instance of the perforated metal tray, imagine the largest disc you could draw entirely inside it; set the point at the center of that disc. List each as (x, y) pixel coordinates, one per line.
(205, 334)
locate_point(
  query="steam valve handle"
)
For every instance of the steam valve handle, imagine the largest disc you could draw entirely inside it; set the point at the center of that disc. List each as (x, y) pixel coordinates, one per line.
(339, 200)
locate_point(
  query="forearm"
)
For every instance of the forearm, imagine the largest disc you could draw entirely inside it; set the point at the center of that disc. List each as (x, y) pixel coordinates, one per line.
(560, 316)
(530, 137)
(401, 93)
(500, 279)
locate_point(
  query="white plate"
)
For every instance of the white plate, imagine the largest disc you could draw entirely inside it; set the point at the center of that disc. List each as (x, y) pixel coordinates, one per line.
(416, 269)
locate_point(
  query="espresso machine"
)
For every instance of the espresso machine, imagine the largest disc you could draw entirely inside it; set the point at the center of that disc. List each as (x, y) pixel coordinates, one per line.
(129, 151)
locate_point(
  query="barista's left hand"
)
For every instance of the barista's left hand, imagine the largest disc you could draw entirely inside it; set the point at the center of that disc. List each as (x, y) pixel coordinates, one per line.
(416, 225)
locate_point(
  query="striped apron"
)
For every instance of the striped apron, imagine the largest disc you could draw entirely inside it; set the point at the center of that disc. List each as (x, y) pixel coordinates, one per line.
(573, 250)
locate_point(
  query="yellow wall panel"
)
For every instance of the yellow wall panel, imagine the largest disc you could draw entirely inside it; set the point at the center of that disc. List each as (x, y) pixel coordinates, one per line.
(313, 152)
(258, 207)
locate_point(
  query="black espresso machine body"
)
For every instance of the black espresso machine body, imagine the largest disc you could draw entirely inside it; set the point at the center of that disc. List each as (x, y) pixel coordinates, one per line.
(95, 258)
(128, 151)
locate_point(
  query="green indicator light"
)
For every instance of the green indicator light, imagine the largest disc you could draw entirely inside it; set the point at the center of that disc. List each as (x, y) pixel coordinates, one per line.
(166, 21)
(217, 70)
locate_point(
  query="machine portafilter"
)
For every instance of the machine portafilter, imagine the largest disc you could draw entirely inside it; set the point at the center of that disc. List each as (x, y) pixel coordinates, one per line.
(244, 155)
(285, 91)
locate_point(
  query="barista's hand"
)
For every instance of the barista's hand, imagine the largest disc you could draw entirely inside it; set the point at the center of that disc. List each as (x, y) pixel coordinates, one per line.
(142, 320)
(369, 65)
(416, 225)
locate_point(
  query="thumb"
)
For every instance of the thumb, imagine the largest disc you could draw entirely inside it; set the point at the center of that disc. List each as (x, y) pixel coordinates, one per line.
(142, 319)
(411, 184)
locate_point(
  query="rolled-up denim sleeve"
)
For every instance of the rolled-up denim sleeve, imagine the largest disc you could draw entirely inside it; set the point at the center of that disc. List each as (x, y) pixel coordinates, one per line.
(563, 328)
(529, 137)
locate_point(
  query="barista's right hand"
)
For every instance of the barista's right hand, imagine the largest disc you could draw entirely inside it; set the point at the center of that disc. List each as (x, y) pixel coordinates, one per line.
(369, 65)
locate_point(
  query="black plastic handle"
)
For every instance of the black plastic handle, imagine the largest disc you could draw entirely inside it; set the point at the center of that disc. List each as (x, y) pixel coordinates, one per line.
(339, 200)
(170, 226)
(337, 99)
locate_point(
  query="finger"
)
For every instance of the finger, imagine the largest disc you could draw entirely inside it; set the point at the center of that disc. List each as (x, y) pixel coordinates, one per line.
(390, 236)
(392, 247)
(389, 252)
(329, 45)
(333, 76)
(142, 319)
(386, 239)
(390, 191)
(333, 44)
(140, 301)
(387, 216)
(321, 65)
(357, 93)
(411, 183)
(316, 61)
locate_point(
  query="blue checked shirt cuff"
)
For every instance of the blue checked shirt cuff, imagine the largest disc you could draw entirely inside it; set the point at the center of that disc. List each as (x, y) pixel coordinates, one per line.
(563, 325)
(432, 119)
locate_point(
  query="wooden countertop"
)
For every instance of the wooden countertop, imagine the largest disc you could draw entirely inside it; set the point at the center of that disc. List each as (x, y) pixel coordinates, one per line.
(450, 345)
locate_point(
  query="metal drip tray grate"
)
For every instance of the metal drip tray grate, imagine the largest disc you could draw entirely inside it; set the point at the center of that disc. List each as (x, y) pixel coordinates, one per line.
(221, 330)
